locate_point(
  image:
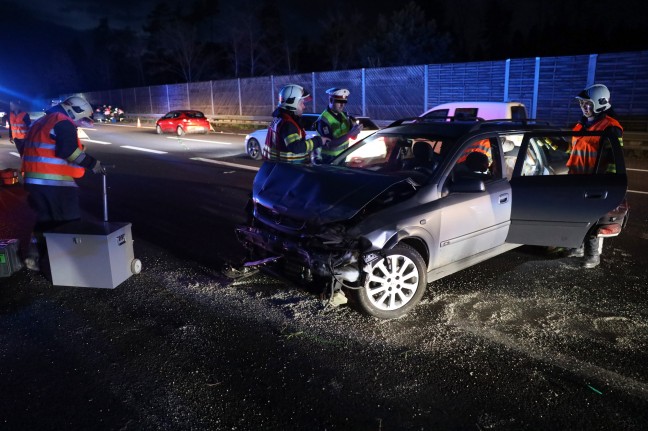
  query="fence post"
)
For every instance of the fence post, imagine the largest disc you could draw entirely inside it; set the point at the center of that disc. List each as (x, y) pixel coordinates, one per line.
(313, 91)
(425, 89)
(239, 97)
(536, 83)
(150, 100)
(168, 102)
(272, 84)
(364, 94)
(188, 97)
(507, 75)
(591, 70)
(211, 92)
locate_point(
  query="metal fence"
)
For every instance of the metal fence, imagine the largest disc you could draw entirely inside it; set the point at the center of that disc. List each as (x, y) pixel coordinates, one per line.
(546, 85)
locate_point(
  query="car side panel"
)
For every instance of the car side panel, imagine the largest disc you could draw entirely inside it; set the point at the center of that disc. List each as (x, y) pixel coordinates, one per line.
(471, 223)
(558, 210)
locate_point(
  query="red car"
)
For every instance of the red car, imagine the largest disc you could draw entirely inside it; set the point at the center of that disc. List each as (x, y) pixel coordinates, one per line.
(181, 122)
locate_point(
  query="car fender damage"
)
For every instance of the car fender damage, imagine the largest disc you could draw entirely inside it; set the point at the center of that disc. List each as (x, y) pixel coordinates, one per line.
(320, 232)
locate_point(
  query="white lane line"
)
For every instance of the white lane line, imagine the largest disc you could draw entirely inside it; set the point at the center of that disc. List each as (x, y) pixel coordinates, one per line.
(13, 153)
(143, 149)
(637, 191)
(97, 142)
(218, 162)
(637, 170)
(199, 140)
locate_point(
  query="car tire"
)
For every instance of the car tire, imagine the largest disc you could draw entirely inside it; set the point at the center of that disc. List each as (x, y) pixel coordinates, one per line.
(158, 129)
(254, 149)
(180, 131)
(396, 283)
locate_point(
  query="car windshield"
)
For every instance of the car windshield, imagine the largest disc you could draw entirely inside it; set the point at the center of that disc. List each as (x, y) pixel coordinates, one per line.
(391, 152)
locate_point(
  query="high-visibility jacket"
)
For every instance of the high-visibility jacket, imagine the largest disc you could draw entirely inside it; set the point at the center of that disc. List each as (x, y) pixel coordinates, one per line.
(482, 146)
(40, 163)
(338, 128)
(584, 149)
(286, 141)
(18, 125)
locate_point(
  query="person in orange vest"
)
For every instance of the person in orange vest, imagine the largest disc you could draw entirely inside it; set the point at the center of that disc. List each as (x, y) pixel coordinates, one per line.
(286, 140)
(52, 159)
(19, 123)
(597, 116)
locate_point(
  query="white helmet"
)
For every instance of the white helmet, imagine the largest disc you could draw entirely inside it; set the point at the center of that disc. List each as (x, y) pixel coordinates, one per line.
(338, 94)
(599, 95)
(77, 108)
(290, 95)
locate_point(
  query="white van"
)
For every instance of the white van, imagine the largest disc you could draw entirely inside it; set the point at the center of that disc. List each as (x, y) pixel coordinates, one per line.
(483, 110)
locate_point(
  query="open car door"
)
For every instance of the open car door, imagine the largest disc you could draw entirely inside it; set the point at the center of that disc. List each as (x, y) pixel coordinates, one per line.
(553, 208)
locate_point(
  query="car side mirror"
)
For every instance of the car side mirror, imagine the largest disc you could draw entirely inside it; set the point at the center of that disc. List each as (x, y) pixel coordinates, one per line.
(467, 185)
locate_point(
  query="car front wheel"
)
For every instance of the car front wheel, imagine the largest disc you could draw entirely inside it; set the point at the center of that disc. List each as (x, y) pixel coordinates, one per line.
(158, 129)
(180, 131)
(254, 149)
(396, 283)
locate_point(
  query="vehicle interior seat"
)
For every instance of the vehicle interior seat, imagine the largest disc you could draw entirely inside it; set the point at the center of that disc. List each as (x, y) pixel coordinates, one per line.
(424, 158)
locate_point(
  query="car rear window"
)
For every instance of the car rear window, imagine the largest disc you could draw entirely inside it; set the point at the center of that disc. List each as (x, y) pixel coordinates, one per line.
(463, 113)
(195, 114)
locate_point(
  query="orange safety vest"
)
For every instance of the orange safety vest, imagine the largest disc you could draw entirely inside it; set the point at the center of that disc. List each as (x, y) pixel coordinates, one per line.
(18, 126)
(584, 149)
(40, 163)
(278, 150)
(482, 146)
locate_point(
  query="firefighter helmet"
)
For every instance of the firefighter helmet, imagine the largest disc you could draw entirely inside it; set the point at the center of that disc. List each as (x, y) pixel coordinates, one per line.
(599, 95)
(338, 94)
(290, 95)
(77, 108)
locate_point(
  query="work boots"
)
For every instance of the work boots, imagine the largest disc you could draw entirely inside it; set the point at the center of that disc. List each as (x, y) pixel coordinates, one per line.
(592, 252)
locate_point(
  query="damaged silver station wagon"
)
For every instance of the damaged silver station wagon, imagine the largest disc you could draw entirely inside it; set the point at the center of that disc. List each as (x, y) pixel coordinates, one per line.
(420, 200)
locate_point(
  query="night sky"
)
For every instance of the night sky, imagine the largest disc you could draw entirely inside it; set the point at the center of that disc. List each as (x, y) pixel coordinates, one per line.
(41, 34)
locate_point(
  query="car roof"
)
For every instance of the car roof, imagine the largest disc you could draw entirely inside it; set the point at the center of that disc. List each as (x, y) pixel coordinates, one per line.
(456, 129)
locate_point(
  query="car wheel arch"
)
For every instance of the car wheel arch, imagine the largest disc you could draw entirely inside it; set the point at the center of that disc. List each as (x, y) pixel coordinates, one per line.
(414, 241)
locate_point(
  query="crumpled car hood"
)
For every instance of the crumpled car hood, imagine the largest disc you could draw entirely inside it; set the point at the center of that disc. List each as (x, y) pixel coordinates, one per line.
(318, 194)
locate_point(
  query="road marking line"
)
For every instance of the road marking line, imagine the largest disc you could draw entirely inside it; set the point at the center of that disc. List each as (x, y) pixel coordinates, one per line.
(143, 149)
(218, 162)
(199, 140)
(637, 191)
(637, 170)
(13, 153)
(97, 142)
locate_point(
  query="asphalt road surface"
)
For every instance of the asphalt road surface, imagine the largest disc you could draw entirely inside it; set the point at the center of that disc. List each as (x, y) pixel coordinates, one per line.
(526, 340)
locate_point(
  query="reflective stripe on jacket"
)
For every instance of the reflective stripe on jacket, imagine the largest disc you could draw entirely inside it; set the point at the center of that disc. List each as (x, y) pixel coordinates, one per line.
(18, 125)
(483, 146)
(40, 163)
(338, 128)
(584, 149)
(280, 142)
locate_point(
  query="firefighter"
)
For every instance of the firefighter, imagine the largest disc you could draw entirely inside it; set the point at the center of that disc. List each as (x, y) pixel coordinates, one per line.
(19, 123)
(336, 124)
(286, 140)
(52, 159)
(598, 115)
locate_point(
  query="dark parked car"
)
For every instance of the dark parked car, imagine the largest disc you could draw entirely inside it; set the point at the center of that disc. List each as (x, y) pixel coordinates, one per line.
(183, 121)
(420, 200)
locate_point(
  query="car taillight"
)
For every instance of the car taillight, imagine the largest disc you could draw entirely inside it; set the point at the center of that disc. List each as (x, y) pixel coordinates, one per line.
(608, 230)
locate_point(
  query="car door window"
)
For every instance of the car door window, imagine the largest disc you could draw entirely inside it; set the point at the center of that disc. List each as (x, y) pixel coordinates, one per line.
(480, 159)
